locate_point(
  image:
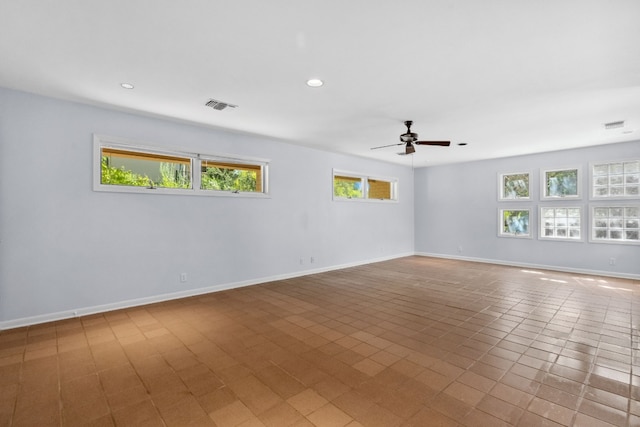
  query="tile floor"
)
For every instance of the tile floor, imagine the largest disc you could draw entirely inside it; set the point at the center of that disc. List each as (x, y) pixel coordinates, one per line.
(410, 342)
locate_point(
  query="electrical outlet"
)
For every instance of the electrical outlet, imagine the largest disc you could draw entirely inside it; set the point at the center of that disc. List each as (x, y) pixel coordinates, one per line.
(301, 261)
(460, 249)
(312, 260)
(612, 261)
(183, 277)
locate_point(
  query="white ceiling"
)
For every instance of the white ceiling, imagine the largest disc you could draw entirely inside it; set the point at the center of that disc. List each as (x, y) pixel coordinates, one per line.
(507, 77)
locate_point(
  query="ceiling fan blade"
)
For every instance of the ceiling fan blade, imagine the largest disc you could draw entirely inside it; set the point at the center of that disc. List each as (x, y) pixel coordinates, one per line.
(441, 143)
(385, 146)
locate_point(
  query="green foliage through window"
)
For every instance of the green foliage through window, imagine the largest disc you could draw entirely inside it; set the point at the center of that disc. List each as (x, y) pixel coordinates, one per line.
(135, 168)
(347, 187)
(224, 179)
(119, 176)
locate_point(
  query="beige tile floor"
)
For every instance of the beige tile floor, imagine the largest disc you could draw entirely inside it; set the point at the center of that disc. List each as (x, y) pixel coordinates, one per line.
(411, 342)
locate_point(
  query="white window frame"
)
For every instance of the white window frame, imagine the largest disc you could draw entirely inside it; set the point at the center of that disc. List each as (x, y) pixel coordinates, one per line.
(592, 176)
(364, 178)
(104, 141)
(542, 226)
(543, 184)
(501, 192)
(592, 221)
(502, 233)
(264, 164)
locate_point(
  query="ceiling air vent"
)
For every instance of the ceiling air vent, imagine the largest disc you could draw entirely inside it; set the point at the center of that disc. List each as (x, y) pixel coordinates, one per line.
(219, 105)
(614, 125)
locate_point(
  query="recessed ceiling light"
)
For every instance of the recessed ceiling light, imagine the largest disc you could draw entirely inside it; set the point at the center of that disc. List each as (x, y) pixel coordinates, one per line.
(126, 85)
(315, 82)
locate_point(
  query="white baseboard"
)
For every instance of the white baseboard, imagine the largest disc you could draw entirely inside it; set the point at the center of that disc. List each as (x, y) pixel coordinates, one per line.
(84, 311)
(537, 266)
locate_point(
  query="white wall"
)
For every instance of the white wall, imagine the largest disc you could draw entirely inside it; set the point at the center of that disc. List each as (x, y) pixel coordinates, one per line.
(457, 206)
(65, 248)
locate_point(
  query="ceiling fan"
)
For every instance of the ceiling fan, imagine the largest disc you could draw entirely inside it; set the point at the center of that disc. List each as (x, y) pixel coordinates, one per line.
(409, 139)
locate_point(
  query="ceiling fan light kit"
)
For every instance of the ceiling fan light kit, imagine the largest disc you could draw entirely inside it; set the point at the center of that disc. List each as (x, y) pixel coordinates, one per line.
(410, 149)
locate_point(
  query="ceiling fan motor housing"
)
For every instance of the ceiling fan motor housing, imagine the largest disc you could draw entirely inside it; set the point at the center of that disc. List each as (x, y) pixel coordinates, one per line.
(409, 137)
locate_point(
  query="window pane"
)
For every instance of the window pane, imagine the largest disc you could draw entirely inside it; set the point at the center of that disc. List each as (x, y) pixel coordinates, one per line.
(632, 235)
(515, 222)
(615, 179)
(631, 167)
(632, 190)
(561, 223)
(619, 179)
(223, 176)
(379, 189)
(601, 191)
(601, 180)
(515, 186)
(617, 191)
(347, 186)
(632, 223)
(601, 169)
(600, 234)
(620, 224)
(138, 169)
(616, 168)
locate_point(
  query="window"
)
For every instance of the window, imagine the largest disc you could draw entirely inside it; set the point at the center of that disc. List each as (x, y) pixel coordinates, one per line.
(225, 176)
(347, 187)
(561, 223)
(514, 223)
(615, 180)
(123, 166)
(378, 189)
(616, 224)
(561, 184)
(514, 186)
(353, 186)
(143, 169)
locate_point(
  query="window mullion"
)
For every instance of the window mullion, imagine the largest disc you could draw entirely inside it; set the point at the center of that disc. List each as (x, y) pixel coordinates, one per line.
(196, 170)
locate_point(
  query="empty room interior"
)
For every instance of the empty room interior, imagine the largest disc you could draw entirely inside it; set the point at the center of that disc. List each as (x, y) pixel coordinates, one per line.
(409, 213)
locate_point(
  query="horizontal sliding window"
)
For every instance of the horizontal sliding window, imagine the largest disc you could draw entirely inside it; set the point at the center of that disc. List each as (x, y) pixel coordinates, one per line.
(353, 186)
(123, 166)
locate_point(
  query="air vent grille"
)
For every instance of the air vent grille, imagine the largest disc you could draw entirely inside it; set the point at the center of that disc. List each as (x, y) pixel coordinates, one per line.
(219, 105)
(614, 125)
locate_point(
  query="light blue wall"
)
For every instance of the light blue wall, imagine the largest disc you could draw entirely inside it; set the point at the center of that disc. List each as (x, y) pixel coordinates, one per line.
(456, 207)
(65, 248)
